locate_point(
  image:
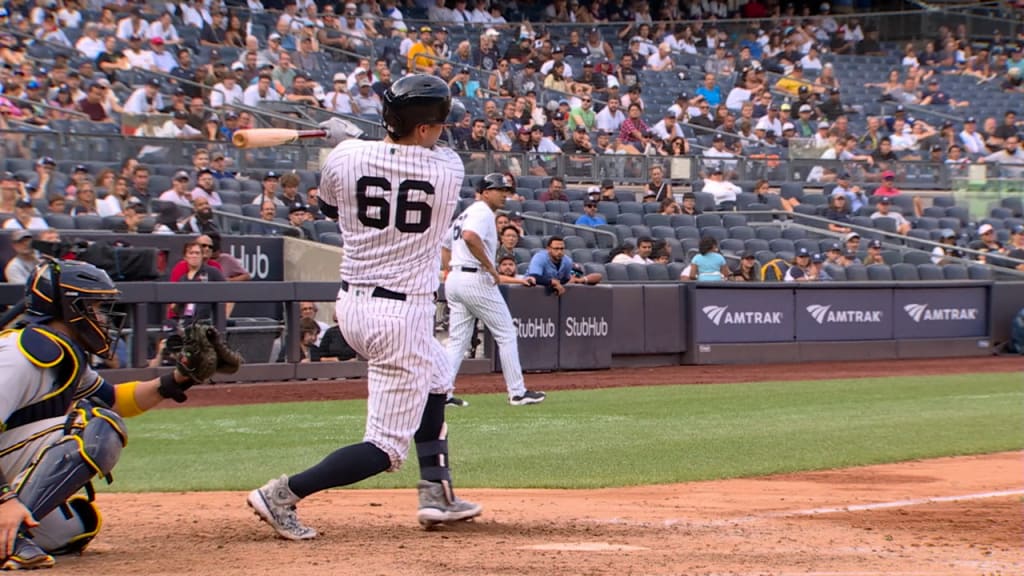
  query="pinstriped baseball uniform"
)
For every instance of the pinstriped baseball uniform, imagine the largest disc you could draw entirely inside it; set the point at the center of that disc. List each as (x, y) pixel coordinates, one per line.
(472, 294)
(394, 203)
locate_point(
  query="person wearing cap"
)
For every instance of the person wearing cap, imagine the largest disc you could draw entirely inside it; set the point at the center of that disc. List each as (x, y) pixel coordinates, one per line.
(1010, 159)
(724, 192)
(338, 99)
(90, 44)
(874, 253)
(145, 100)
(949, 252)
(747, 270)
(884, 210)
(971, 139)
(855, 197)
(421, 57)
(590, 216)
(179, 193)
(800, 267)
(986, 241)
(227, 92)
(21, 267)
(25, 217)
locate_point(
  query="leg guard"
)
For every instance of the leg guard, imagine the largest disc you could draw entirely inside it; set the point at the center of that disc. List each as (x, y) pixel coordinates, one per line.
(70, 528)
(432, 442)
(93, 447)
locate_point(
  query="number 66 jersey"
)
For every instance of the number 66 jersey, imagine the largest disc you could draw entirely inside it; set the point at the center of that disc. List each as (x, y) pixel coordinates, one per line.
(395, 203)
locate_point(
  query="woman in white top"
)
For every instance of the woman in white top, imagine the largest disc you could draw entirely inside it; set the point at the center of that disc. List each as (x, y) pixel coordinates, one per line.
(338, 100)
(69, 16)
(114, 202)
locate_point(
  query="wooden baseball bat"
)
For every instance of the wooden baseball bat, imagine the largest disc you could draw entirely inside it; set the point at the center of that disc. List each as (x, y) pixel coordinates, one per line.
(266, 137)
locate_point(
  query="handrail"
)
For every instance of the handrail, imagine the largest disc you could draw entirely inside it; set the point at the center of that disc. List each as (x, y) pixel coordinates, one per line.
(45, 106)
(232, 215)
(541, 219)
(875, 231)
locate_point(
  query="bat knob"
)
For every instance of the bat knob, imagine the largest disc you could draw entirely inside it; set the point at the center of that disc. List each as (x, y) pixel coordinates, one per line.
(239, 139)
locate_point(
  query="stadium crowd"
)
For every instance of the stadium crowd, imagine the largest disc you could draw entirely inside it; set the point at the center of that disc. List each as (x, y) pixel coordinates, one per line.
(566, 89)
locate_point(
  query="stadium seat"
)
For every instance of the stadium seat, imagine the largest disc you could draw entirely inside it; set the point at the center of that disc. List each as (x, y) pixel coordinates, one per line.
(717, 232)
(960, 213)
(60, 221)
(742, 232)
(658, 272)
(88, 222)
(943, 202)
(595, 268)
(650, 207)
(792, 190)
(806, 244)
(929, 272)
(582, 255)
(926, 223)
(574, 243)
(603, 240)
(630, 219)
(618, 272)
(653, 220)
(677, 220)
(885, 224)
(892, 257)
(732, 246)
(676, 269)
(1015, 204)
(768, 232)
(856, 273)
(705, 220)
(979, 272)
(627, 207)
(755, 244)
(556, 206)
(951, 223)
(640, 231)
(731, 220)
(637, 272)
(836, 273)
(530, 242)
(610, 210)
(781, 245)
(904, 272)
(915, 258)
(600, 255)
(331, 238)
(663, 232)
(794, 234)
(934, 212)
(521, 254)
(954, 272)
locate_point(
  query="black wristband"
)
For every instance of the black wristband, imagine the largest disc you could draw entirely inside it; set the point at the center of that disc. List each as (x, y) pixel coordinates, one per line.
(171, 388)
(7, 493)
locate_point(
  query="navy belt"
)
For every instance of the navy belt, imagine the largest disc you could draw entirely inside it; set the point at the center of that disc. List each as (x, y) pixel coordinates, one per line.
(379, 292)
(469, 269)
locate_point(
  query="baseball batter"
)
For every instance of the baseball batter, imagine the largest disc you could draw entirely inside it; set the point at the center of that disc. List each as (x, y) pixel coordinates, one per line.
(472, 287)
(393, 200)
(62, 422)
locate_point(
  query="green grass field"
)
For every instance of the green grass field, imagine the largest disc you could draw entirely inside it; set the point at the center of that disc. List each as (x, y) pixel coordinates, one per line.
(600, 438)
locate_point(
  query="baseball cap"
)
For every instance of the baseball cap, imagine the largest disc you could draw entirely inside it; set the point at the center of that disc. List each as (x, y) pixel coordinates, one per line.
(875, 244)
(180, 115)
(817, 258)
(718, 138)
(805, 108)
(46, 160)
(179, 91)
(593, 190)
(80, 168)
(298, 208)
(556, 50)
(985, 229)
(822, 124)
(274, 36)
(785, 107)
(747, 254)
(689, 196)
(607, 183)
(270, 175)
(971, 120)
(581, 128)
(803, 252)
(156, 41)
(804, 89)
(364, 83)
(135, 205)
(900, 109)
(19, 235)
(23, 203)
(683, 96)
(33, 85)
(238, 66)
(788, 126)
(588, 203)
(340, 77)
(181, 175)
(204, 171)
(155, 82)
(650, 194)
(850, 236)
(524, 130)
(844, 176)
(884, 200)
(888, 175)
(835, 247)
(231, 115)
(558, 116)
(7, 175)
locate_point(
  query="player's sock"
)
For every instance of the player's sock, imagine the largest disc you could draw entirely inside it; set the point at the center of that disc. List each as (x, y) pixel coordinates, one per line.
(342, 467)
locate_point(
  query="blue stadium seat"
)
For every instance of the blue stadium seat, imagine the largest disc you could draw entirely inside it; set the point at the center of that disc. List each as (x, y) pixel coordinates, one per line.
(630, 219)
(836, 273)
(574, 243)
(677, 220)
(768, 232)
(628, 207)
(640, 231)
(782, 245)
(88, 222)
(637, 272)
(331, 238)
(954, 272)
(742, 232)
(705, 220)
(60, 221)
(658, 273)
(653, 220)
(663, 232)
(979, 272)
(595, 268)
(676, 269)
(903, 272)
(916, 258)
(582, 255)
(856, 273)
(617, 272)
(717, 232)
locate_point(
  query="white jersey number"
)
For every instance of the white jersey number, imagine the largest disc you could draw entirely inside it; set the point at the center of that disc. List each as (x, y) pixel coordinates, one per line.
(404, 207)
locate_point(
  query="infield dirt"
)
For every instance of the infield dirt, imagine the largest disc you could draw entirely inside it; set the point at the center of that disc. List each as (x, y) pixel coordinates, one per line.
(936, 517)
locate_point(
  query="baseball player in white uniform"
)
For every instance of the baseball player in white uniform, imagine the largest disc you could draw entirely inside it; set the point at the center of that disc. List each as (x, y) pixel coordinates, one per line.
(393, 201)
(472, 288)
(61, 422)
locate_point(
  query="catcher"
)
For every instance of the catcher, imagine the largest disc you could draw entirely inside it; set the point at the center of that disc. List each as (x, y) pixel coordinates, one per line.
(62, 422)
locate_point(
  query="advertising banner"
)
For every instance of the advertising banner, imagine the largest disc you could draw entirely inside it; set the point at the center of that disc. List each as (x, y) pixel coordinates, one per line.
(841, 314)
(629, 327)
(586, 328)
(262, 257)
(941, 312)
(743, 315)
(535, 317)
(664, 319)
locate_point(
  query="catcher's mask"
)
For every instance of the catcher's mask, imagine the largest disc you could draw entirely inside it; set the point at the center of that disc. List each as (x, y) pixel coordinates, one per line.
(80, 295)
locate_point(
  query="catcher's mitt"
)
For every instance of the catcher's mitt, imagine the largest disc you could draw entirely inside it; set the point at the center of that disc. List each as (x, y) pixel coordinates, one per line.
(228, 360)
(198, 358)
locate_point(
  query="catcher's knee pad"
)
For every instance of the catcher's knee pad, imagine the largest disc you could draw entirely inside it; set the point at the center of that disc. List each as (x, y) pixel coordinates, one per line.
(70, 528)
(66, 466)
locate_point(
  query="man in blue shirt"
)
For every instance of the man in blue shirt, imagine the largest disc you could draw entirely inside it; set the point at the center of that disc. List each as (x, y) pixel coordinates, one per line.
(590, 216)
(552, 268)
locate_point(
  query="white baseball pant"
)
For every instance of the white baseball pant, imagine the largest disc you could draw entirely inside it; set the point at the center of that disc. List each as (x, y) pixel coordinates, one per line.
(405, 362)
(473, 295)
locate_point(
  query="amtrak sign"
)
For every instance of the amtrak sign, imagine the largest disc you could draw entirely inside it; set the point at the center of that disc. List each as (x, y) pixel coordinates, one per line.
(738, 315)
(941, 312)
(827, 314)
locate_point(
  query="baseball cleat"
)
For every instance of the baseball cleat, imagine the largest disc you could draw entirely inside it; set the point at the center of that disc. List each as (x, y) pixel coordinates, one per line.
(274, 503)
(528, 397)
(27, 556)
(456, 401)
(435, 508)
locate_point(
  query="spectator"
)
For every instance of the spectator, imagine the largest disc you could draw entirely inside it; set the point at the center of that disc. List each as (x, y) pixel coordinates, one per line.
(298, 214)
(948, 253)
(365, 102)
(689, 204)
(709, 265)
(632, 130)
(986, 241)
(117, 197)
(555, 191)
(508, 239)
(21, 267)
(271, 184)
(197, 269)
(1010, 159)
(263, 91)
(25, 217)
(644, 251)
(839, 213)
(884, 210)
(201, 221)
(800, 268)
(181, 268)
(590, 216)
(610, 118)
(333, 345)
(85, 201)
(179, 194)
(748, 270)
(553, 268)
(308, 311)
(133, 26)
(268, 215)
(874, 255)
(206, 188)
(724, 192)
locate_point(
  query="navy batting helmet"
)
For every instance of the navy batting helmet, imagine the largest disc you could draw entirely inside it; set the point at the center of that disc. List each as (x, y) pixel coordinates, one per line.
(414, 100)
(495, 181)
(82, 296)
